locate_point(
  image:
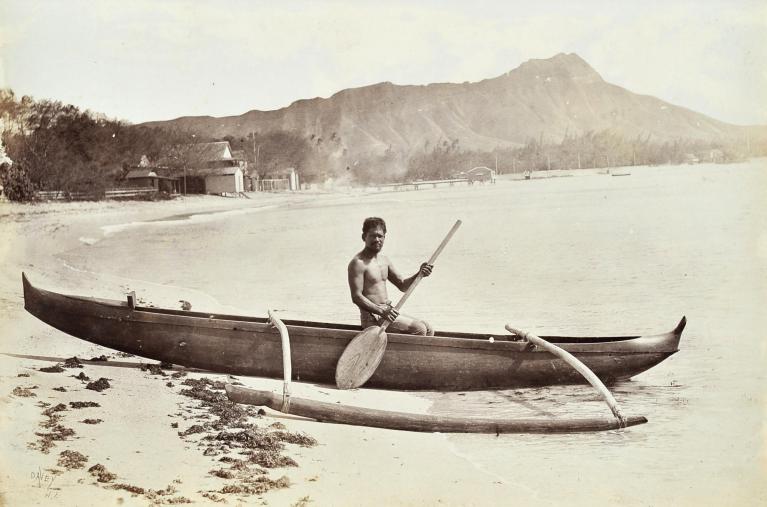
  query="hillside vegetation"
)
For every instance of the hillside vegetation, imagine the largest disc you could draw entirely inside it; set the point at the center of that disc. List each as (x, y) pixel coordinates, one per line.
(556, 113)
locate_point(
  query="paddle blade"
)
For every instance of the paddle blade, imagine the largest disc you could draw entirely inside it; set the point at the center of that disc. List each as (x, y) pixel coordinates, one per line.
(361, 358)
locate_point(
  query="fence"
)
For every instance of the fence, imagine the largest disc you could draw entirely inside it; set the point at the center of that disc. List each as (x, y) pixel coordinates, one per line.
(271, 185)
(115, 193)
(415, 185)
(55, 195)
(122, 193)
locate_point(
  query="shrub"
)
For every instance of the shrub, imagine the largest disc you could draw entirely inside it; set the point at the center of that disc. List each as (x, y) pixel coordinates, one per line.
(16, 183)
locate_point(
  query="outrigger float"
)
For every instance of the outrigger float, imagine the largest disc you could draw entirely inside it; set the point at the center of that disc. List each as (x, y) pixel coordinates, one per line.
(308, 351)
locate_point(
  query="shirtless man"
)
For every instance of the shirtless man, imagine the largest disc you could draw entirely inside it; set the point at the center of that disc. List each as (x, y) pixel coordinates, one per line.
(368, 272)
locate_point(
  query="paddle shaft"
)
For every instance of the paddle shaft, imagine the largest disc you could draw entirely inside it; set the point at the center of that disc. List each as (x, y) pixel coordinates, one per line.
(419, 276)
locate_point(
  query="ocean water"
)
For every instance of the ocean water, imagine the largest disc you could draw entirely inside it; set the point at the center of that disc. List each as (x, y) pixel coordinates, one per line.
(590, 254)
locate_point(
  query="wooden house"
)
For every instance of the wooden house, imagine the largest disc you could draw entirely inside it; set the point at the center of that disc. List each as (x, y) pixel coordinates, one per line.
(210, 168)
(224, 180)
(144, 177)
(247, 178)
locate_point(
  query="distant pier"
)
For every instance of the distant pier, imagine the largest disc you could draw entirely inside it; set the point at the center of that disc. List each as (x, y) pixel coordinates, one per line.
(416, 185)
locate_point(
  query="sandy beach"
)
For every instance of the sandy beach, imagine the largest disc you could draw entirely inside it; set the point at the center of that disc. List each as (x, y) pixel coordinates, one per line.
(141, 440)
(595, 328)
(590, 255)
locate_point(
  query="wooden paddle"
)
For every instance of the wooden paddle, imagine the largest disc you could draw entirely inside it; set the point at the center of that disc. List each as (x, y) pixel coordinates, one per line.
(364, 353)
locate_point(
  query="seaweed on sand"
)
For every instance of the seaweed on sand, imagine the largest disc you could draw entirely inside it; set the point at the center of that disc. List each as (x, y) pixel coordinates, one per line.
(130, 488)
(49, 412)
(222, 473)
(98, 385)
(101, 474)
(229, 414)
(46, 442)
(154, 369)
(83, 404)
(57, 431)
(266, 446)
(232, 431)
(256, 485)
(301, 439)
(268, 458)
(72, 459)
(24, 392)
(302, 502)
(52, 369)
(250, 439)
(159, 495)
(263, 439)
(242, 464)
(195, 428)
(73, 362)
(213, 497)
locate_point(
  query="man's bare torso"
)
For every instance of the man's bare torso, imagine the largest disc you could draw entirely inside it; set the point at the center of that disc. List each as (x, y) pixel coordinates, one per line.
(368, 272)
(376, 274)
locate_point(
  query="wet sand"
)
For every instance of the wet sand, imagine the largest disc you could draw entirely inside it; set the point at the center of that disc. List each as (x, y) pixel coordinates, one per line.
(141, 440)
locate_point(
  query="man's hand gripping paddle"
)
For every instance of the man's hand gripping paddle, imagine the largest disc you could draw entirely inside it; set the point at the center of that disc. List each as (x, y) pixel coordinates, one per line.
(364, 353)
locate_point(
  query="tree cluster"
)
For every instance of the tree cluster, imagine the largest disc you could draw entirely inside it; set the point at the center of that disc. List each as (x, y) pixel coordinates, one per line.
(590, 150)
(55, 146)
(313, 157)
(609, 149)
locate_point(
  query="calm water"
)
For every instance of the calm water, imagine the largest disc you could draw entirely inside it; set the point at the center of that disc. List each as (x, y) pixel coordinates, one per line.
(578, 255)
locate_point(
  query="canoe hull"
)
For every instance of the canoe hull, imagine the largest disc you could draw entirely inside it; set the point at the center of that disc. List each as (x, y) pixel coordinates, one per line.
(251, 346)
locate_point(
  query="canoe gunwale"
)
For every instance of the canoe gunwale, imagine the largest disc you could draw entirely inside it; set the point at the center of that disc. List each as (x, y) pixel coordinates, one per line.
(151, 315)
(251, 346)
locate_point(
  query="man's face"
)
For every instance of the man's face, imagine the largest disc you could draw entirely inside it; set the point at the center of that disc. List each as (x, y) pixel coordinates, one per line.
(374, 239)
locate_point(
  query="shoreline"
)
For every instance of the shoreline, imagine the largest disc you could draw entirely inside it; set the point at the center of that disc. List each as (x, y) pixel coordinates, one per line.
(579, 234)
(406, 468)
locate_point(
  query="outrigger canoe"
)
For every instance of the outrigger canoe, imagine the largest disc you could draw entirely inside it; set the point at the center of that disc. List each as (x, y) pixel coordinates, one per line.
(251, 346)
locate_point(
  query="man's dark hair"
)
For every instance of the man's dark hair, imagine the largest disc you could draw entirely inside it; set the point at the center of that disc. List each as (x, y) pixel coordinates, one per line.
(372, 223)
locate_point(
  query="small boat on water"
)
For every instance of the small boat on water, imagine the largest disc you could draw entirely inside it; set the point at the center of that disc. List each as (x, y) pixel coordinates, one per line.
(251, 346)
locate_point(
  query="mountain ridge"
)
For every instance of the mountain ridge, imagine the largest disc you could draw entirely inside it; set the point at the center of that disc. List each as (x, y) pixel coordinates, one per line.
(544, 99)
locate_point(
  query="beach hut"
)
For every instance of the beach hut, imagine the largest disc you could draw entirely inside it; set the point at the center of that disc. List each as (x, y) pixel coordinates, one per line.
(208, 168)
(224, 180)
(242, 161)
(143, 177)
(481, 174)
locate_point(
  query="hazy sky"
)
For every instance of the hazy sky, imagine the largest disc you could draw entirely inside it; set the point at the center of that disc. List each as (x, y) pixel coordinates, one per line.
(151, 60)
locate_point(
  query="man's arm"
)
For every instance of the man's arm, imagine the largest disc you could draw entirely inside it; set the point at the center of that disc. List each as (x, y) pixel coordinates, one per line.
(404, 284)
(356, 274)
